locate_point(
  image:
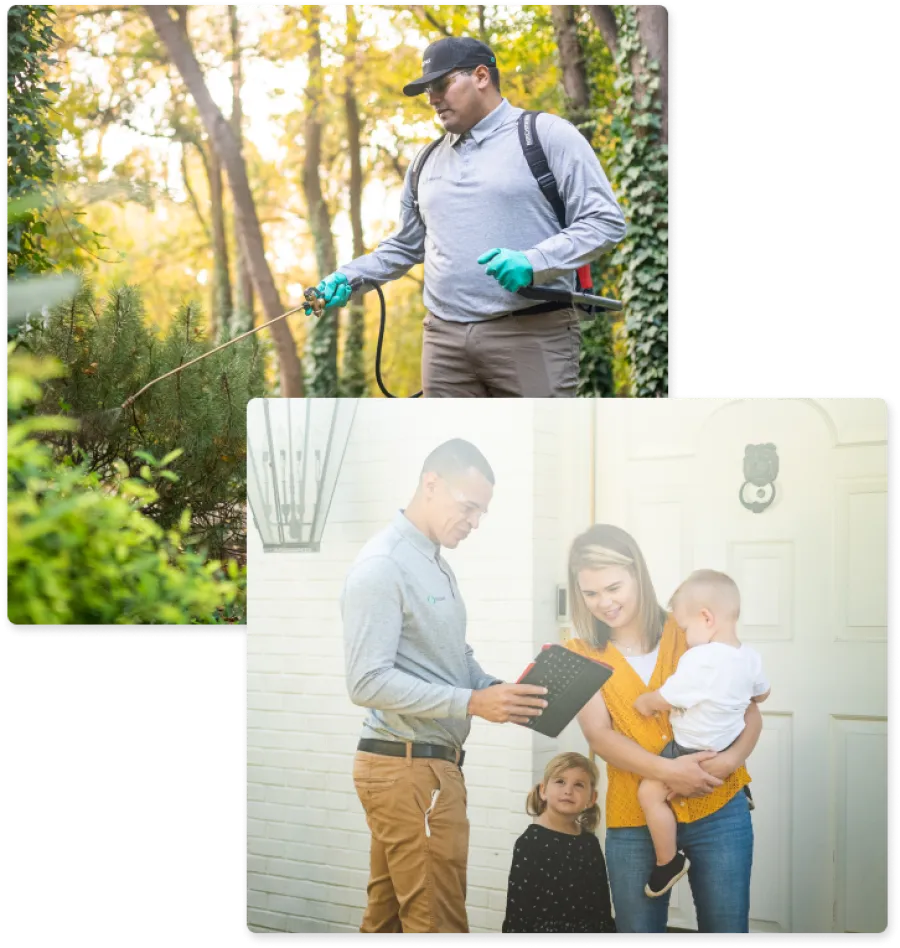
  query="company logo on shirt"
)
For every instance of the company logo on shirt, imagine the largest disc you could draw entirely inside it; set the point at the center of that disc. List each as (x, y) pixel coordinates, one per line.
(433, 599)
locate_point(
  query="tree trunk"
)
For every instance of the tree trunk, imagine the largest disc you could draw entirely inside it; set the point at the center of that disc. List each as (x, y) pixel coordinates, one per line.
(571, 59)
(353, 373)
(322, 348)
(220, 318)
(482, 24)
(219, 131)
(605, 21)
(192, 197)
(220, 285)
(653, 28)
(243, 310)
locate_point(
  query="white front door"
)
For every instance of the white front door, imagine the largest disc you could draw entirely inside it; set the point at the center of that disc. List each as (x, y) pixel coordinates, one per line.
(812, 572)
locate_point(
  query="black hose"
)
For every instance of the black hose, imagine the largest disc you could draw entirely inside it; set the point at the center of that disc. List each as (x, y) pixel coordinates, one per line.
(378, 348)
(534, 293)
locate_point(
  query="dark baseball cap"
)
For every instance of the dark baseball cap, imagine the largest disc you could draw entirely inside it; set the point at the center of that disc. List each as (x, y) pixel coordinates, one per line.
(445, 55)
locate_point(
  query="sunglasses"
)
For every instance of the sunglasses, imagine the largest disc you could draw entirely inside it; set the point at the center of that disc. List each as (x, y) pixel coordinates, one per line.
(440, 86)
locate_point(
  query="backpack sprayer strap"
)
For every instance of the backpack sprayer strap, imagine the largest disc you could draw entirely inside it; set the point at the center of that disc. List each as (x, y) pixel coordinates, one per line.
(536, 158)
(540, 168)
(415, 173)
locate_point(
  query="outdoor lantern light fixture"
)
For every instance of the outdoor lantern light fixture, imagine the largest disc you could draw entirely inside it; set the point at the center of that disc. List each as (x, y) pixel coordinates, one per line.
(295, 448)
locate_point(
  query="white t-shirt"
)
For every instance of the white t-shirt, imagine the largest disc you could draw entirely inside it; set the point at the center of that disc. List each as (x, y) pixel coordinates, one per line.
(711, 689)
(644, 664)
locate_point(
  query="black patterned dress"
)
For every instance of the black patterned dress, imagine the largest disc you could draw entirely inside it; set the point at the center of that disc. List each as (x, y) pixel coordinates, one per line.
(557, 883)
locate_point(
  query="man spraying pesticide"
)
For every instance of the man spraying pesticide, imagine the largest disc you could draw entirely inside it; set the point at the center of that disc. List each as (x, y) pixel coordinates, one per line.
(500, 179)
(502, 210)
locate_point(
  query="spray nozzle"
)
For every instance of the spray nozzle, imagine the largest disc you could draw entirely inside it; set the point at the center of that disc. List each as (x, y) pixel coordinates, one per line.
(315, 300)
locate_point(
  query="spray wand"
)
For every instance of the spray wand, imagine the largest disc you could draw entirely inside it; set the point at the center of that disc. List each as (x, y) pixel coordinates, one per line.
(110, 416)
(314, 303)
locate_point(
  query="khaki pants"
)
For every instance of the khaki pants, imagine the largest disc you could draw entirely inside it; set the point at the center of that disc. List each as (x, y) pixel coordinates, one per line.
(512, 356)
(416, 811)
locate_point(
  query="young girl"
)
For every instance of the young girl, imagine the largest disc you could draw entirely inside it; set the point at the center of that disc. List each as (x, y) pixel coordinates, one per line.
(558, 882)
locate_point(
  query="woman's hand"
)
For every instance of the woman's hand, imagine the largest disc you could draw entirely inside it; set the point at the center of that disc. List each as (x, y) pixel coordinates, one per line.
(686, 778)
(726, 762)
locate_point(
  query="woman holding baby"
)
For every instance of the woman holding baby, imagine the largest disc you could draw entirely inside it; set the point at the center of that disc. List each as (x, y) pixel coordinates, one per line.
(687, 785)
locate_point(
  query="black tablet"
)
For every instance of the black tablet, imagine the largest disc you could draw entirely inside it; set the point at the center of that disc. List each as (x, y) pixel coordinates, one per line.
(571, 681)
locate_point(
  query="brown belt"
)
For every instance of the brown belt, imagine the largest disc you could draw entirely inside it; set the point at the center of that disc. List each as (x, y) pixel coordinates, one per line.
(398, 749)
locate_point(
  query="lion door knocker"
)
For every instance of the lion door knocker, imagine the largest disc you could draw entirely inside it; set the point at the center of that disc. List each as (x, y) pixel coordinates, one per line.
(760, 471)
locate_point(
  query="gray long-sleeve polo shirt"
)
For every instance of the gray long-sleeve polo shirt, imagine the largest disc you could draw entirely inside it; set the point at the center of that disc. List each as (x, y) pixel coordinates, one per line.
(406, 655)
(476, 192)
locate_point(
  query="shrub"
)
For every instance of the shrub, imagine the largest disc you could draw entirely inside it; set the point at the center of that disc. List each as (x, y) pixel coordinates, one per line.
(111, 354)
(81, 550)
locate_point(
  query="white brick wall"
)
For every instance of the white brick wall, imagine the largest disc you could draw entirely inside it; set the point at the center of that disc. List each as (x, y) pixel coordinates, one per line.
(308, 841)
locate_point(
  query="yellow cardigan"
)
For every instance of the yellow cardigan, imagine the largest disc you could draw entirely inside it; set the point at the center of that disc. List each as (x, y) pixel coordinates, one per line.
(653, 733)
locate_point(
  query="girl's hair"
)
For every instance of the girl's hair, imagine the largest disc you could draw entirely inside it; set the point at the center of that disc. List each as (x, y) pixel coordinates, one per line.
(601, 546)
(535, 806)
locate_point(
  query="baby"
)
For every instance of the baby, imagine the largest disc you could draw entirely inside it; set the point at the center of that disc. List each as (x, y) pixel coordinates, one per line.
(709, 692)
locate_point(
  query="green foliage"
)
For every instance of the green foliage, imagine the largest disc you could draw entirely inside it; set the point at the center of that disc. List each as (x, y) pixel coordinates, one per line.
(30, 134)
(44, 229)
(639, 170)
(111, 355)
(596, 377)
(83, 551)
(353, 370)
(321, 356)
(235, 611)
(595, 372)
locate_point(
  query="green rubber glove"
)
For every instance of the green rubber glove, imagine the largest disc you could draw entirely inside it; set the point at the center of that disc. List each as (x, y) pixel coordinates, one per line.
(335, 290)
(510, 268)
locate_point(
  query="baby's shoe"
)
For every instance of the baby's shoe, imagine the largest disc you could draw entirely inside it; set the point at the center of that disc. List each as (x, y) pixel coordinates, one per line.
(664, 877)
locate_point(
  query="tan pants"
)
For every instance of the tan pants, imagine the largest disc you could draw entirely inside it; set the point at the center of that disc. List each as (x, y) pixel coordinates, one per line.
(509, 357)
(416, 811)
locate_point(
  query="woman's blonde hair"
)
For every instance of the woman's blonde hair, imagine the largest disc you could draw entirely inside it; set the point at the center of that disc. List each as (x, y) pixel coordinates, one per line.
(601, 546)
(535, 806)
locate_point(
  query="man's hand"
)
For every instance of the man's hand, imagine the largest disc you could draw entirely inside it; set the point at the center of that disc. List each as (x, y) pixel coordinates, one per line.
(686, 778)
(501, 703)
(510, 268)
(335, 290)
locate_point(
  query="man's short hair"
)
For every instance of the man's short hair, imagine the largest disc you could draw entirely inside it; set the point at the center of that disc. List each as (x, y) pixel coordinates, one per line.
(708, 589)
(494, 73)
(453, 458)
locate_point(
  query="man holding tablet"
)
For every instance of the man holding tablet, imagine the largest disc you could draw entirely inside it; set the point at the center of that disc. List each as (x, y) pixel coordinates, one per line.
(407, 661)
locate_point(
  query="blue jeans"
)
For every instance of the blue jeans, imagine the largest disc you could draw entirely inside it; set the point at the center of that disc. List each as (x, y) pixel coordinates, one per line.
(720, 849)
